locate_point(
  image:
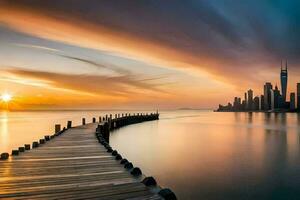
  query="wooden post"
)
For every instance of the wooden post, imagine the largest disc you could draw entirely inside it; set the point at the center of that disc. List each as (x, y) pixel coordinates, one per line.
(27, 146)
(4, 156)
(106, 131)
(35, 144)
(21, 149)
(57, 128)
(42, 141)
(69, 124)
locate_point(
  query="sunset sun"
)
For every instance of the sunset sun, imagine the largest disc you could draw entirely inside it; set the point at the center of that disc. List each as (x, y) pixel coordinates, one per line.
(6, 97)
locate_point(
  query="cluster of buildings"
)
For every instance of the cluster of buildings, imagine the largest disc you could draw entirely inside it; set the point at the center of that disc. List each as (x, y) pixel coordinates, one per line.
(272, 100)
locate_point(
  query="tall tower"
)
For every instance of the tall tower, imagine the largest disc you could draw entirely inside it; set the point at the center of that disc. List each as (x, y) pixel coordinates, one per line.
(284, 79)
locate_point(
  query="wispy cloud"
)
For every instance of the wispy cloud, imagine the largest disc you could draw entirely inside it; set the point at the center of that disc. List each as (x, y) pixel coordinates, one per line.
(111, 67)
(122, 85)
(36, 47)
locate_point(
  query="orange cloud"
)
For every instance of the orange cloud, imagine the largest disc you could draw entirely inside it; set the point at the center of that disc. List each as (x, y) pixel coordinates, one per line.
(82, 33)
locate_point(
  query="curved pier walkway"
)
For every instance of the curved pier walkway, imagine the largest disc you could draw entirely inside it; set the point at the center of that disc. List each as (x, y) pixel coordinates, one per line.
(71, 166)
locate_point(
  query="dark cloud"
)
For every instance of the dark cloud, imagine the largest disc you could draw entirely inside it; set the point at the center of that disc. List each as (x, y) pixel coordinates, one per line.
(228, 29)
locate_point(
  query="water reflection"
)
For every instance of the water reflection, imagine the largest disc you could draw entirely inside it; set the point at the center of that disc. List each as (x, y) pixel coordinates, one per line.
(218, 155)
(4, 129)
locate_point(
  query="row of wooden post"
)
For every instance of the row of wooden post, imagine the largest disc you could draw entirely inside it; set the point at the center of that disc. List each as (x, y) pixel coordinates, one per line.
(106, 124)
(102, 134)
(109, 123)
(35, 144)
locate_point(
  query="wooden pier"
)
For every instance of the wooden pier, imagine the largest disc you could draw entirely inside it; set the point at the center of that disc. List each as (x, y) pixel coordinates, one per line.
(77, 163)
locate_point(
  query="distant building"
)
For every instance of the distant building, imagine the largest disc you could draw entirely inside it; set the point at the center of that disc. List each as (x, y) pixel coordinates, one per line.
(235, 103)
(283, 80)
(262, 102)
(298, 96)
(250, 99)
(292, 101)
(267, 96)
(276, 97)
(246, 101)
(243, 105)
(256, 103)
(272, 105)
(239, 104)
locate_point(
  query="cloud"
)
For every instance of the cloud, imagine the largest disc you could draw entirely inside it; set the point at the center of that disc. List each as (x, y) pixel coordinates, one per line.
(171, 36)
(36, 47)
(111, 67)
(96, 85)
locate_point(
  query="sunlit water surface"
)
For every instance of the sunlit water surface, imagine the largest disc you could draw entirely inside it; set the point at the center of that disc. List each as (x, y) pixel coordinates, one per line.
(198, 154)
(207, 155)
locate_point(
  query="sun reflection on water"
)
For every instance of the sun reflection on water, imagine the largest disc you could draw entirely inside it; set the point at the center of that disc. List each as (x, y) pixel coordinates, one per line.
(4, 129)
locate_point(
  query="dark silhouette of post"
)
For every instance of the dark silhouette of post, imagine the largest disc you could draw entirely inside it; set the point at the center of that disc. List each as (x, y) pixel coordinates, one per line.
(69, 124)
(57, 128)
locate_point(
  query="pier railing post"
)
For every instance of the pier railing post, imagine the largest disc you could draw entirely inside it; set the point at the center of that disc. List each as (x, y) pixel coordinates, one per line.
(69, 124)
(57, 128)
(106, 131)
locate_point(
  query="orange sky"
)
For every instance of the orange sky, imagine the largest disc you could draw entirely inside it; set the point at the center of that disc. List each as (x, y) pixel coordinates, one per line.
(46, 64)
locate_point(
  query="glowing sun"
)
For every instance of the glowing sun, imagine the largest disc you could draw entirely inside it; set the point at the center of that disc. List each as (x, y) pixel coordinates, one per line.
(6, 97)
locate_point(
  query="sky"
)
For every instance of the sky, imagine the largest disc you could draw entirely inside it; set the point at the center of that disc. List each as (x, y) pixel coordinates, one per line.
(146, 54)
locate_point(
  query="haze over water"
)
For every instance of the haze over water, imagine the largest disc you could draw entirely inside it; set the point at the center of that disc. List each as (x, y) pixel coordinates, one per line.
(198, 154)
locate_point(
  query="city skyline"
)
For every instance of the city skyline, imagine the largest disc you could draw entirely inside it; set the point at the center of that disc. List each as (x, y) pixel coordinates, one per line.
(148, 54)
(271, 99)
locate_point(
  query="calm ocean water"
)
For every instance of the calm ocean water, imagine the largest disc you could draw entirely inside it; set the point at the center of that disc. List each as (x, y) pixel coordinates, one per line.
(198, 154)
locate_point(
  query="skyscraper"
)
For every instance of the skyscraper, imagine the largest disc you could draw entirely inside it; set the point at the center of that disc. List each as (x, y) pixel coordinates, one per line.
(272, 105)
(276, 97)
(250, 99)
(256, 103)
(246, 101)
(267, 96)
(262, 102)
(283, 80)
(298, 96)
(292, 101)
